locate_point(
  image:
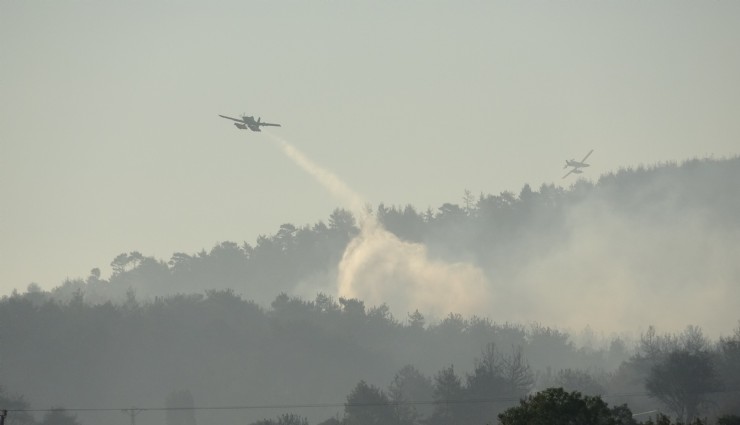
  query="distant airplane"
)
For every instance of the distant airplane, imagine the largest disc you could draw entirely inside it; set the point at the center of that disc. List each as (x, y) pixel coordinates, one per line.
(577, 165)
(249, 122)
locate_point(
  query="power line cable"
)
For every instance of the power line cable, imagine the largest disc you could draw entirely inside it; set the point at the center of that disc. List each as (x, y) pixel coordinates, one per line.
(330, 404)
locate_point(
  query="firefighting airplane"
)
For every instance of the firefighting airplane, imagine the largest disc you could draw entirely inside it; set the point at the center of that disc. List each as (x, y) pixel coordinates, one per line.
(577, 165)
(249, 122)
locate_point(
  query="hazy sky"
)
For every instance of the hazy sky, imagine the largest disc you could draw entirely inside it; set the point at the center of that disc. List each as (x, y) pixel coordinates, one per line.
(110, 139)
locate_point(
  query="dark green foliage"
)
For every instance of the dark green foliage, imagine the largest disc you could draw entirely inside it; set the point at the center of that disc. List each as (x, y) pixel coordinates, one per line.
(496, 380)
(623, 415)
(409, 385)
(578, 380)
(728, 369)
(728, 420)
(682, 381)
(556, 406)
(225, 344)
(331, 421)
(405, 223)
(448, 397)
(651, 362)
(416, 320)
(368, 405)
(284, 419)
(665, 420)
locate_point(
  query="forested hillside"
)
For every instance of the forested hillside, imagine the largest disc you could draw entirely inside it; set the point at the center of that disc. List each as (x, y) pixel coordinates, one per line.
(312, 356)
(269, 324)
(501, 234)
(601, 253)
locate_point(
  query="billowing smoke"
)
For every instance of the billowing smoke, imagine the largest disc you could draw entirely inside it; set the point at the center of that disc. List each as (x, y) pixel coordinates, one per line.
(377, 267)
(617, 271)
(661, 261)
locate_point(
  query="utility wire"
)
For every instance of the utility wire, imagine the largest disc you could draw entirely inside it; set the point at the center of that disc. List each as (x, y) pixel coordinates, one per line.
(331, 404)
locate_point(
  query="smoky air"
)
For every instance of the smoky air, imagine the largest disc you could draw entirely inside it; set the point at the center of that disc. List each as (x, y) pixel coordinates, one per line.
(590, 288)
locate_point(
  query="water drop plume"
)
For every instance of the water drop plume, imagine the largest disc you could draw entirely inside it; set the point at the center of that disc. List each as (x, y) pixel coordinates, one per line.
(377, 267)
(329, 180)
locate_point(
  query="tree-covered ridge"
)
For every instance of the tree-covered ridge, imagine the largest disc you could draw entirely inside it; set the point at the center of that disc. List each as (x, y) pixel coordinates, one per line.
(229, 326)
(492, 231)
(185, 332)
(275, 264)
(229, 351)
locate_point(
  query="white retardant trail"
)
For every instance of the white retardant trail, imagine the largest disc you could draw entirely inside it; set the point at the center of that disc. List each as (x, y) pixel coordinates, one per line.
(379, 268)
(327, 179)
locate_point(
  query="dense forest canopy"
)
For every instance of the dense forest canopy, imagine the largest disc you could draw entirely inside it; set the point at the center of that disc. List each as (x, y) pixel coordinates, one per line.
(604, 254)
(405, 306)
(311, 356)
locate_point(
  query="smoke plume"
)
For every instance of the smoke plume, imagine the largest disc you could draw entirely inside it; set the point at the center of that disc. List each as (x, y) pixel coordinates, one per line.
(377, 267)
(329, 180)
(662, 261)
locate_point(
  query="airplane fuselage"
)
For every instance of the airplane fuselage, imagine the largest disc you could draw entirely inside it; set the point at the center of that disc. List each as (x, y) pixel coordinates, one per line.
(248, 122)
(577, 165)
(572, 163)
(253, 127)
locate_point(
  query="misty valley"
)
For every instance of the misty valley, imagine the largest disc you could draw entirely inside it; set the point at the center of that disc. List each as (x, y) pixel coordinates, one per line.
(619, 297)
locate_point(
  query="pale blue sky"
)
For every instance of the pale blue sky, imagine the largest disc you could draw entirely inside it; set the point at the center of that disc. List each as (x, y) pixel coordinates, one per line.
(110, 139)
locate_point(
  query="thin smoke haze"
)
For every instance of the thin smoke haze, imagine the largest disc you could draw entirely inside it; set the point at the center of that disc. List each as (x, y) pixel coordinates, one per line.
(610, 270)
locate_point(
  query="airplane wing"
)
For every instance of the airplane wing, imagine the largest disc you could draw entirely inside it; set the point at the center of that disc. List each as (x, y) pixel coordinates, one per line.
(270, 125)
(570, 172)
(229, 118)
(587, 155)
